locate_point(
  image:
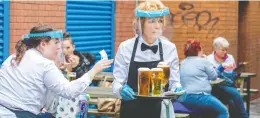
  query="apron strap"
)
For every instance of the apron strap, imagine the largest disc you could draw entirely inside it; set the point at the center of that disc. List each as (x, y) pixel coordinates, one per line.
(134, 50)
(161, 50)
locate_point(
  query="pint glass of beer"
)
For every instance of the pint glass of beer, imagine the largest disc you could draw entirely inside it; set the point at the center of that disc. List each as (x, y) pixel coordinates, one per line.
(156, 79)
(144, 75)
(71, 76)
(166, 71)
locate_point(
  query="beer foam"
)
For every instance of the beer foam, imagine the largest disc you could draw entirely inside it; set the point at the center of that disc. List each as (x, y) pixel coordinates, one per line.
(156, 69)
(163, 63)
(163, 66)
(143, 69)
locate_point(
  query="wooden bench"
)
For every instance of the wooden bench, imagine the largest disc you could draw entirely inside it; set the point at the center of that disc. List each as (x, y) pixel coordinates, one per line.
(100, 92)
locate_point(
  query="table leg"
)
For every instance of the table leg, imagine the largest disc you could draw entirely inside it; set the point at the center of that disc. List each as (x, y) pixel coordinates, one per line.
(248, 95)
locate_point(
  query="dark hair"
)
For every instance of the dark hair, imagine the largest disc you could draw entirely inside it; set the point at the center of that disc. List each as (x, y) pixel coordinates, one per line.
(23, 45)
(66, 36)
(192, 48)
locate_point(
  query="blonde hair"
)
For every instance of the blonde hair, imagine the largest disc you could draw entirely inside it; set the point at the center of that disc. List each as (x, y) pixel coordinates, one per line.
(146, 6)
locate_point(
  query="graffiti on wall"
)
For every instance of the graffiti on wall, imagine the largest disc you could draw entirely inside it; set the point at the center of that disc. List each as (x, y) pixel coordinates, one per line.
(187, 17)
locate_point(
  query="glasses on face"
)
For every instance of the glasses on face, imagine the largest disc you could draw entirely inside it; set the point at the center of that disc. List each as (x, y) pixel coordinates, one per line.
(154, 20)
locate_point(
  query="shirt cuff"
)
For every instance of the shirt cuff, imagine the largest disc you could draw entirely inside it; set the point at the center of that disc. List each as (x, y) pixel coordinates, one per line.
(116, 89)
(174, 86)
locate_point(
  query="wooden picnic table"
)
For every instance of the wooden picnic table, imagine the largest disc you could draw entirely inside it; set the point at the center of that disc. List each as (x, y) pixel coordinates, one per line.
(247, 77)
(243, 76)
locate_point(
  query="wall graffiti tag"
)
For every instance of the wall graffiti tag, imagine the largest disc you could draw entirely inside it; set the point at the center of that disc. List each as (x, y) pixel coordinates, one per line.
(200, 19)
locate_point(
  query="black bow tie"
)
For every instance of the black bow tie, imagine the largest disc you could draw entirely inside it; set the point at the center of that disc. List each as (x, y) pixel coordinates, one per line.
(153, 48)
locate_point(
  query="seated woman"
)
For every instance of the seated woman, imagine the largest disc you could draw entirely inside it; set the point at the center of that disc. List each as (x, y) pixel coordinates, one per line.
(226, 92)
(76, 61)
(195, 73)
(31, 72)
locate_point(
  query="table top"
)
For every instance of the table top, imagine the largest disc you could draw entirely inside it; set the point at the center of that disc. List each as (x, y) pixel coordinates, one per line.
(100, 92)
(217, 81)
(246, 75)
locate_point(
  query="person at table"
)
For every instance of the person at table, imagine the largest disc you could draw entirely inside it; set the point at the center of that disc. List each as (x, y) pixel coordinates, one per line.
(78, 62)
(195, 73)
(146, 49)
(227, 92)
(27, 75)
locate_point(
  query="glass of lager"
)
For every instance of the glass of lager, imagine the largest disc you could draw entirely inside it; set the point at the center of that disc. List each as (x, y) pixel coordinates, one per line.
(156, 79)
(144, 75)
(166, 71)
(71, 76)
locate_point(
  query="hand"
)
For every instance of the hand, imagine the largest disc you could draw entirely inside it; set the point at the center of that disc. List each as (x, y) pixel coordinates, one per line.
(72, 60)
(127, 93)
(220, 68)
(225, 65)
(178, 89)
(230, 74)
(43, 110)
(101, 65)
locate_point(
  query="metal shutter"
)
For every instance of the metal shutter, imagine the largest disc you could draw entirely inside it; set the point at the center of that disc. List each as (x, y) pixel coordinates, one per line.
(4, 30)
(91, 25)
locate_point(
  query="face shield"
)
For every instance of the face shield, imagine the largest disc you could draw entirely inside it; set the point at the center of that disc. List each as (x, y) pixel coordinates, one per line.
(155, 24)
(54, 35)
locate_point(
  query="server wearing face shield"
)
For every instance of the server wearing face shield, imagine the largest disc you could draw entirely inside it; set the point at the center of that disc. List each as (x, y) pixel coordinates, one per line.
(146, 49)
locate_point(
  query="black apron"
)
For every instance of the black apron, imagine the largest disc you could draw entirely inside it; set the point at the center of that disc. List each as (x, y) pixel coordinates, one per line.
(140, 108)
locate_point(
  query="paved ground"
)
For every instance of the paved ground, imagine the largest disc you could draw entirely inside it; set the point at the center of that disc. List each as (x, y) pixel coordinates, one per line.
(255, 109)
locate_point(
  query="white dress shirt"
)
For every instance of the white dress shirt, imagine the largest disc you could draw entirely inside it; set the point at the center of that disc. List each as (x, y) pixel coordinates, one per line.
(123, 57)
(24, 87)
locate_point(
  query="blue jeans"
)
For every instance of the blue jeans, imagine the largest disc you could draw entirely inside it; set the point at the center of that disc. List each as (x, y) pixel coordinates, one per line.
(229, 95)
(208, 103)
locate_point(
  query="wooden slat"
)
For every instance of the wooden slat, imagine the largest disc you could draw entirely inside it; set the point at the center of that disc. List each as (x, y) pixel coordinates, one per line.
(93, 101)
(245, 75)
(251, 90)
(100, 92)
(182, 115)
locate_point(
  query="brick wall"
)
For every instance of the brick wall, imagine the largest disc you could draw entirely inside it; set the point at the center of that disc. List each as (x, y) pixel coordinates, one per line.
(249, 39)
(123, 21)
(25, 15)
(213, 19)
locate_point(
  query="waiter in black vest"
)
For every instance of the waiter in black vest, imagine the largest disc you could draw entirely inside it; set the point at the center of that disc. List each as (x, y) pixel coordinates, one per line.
(147, 49)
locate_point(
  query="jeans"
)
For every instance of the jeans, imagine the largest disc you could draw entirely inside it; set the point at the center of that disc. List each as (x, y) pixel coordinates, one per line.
(208, 103)
(229, 95)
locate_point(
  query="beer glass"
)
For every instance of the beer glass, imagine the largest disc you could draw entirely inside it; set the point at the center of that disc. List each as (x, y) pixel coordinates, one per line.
(166, 71)
(156, 80)
(144, 81)
(71, 76)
